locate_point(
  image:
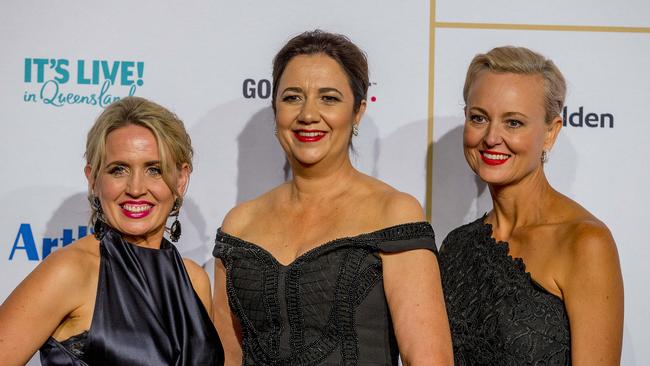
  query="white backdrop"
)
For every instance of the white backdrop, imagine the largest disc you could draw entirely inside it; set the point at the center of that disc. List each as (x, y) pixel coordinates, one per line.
(195, 57)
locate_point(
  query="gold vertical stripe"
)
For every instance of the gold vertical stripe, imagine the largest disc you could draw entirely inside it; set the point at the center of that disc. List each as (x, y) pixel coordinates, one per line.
(432, 52)
(541, 27)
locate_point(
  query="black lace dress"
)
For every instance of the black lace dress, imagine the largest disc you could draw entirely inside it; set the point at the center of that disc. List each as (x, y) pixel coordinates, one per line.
(146, 313)
(326, 308)
(497, 313)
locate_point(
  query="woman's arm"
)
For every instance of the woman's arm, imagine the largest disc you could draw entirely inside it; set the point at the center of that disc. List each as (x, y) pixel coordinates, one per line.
(225, 321)
(414, 294)
(593, 295)
(37, 307)
(200, 283)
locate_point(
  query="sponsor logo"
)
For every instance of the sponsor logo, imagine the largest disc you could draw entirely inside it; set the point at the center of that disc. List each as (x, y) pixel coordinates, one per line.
(59, 82)
(586, 119)
(263, 88)
(257, 89)
(24, 246)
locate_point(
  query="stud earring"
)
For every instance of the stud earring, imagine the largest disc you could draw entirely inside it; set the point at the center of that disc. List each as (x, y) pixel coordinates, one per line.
(175, 229)
(544, 156)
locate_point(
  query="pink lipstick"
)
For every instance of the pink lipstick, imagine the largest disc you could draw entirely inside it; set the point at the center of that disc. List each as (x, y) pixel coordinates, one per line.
(136, 209)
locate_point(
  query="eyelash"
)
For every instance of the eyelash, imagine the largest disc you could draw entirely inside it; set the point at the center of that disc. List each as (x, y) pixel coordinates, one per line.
(330, 99)
(121, 170)
(157, 170)
(117, 170)
(516, 124)
(474, 118)
(290, 98)
(324, 98)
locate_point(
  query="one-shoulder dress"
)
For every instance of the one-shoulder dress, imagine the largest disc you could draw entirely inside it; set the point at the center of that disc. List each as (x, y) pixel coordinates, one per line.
(497, 313)
(146, 313)
(328, 307)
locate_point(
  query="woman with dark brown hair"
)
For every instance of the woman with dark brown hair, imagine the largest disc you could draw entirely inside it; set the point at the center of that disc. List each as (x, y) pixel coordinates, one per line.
(332, 267)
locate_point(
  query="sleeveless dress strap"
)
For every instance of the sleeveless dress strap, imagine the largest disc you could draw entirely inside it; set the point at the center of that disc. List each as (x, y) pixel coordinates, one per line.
(405, 237)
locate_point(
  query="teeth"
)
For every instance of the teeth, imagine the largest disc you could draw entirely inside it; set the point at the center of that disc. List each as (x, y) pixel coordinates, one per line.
(496, 156)
(310, 133)
(136, 208)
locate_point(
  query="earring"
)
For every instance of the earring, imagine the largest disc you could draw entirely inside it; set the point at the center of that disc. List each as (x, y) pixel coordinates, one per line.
(175, 230)
(99, 228)
(544, 156)
(355, 129)
(275, 130)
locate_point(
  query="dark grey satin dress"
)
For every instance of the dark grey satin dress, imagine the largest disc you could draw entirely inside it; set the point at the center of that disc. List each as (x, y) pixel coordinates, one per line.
(146, 313)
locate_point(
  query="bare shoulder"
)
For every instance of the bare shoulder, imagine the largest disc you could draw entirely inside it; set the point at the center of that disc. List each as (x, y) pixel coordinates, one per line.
(590, 239)
(197, 274)
(584, 233)
(200, 282)
(60, 280)
(396, 207)
(242, 215)
(73, 262)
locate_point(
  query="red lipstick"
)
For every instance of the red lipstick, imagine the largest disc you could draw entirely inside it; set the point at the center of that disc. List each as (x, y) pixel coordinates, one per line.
(309, 135)
(494, 158)
(136, 209)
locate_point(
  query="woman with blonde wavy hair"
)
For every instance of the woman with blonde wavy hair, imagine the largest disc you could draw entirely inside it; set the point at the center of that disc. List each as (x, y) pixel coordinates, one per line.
(123, 296)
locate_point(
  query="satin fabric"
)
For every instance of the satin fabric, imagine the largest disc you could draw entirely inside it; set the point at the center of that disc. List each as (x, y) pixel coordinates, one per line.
(146, 312)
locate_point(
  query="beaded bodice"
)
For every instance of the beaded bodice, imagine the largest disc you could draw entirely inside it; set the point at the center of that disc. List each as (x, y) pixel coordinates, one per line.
(327, 307)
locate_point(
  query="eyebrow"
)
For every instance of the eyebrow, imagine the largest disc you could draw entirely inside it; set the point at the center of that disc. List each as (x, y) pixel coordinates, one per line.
(119, 162)
(320, 90)
(507, 114)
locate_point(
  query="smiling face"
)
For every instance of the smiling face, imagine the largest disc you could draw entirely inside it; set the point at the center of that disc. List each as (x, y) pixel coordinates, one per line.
(135, 199)
(505, 129)
(314, 110)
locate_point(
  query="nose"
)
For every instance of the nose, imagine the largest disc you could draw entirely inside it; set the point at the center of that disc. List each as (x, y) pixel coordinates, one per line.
(135, 186)
(309, 112)
(493, 135)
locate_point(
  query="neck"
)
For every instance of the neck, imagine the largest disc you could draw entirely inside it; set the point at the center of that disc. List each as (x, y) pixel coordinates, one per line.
(319, 181)
(520, 204)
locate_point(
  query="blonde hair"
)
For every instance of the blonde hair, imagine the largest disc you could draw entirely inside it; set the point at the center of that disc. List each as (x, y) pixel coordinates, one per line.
(174, 144)
(521, 60)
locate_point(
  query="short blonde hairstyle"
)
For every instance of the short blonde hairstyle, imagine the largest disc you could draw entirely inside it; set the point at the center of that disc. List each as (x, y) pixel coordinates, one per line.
(174, 144)
(521, 60)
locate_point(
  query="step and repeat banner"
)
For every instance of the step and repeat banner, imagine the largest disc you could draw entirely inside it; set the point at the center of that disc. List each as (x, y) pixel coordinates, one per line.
(210, 62)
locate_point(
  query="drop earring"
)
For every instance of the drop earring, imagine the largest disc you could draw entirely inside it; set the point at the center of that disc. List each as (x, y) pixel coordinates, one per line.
(355, 129)
(175, 229)
(99, 228)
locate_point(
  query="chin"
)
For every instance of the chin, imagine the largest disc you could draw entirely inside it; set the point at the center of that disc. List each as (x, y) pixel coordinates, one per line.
(137, 229)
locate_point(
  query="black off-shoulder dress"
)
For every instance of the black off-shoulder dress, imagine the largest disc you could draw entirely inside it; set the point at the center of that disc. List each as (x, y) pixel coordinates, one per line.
(497, 313)
(326, 308)
(146, 313)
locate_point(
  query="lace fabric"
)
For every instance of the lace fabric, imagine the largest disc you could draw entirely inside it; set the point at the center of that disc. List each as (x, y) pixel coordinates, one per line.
(76, 344)
(497, 313)
(326, 307)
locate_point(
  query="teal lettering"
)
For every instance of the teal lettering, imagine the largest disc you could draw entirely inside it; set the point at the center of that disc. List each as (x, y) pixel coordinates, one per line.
(81, 71)
(127, 72)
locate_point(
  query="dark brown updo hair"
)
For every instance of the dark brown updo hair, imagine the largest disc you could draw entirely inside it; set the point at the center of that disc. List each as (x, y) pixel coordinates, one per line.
(338, 47)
